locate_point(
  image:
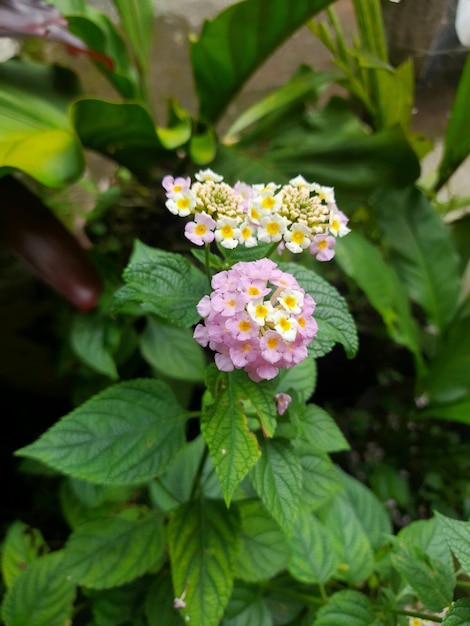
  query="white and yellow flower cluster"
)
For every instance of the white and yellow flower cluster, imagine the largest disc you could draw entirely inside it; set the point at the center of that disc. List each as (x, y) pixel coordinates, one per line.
(299, 215)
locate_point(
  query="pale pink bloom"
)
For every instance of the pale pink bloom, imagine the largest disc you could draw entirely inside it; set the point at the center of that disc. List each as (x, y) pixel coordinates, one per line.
(323, 246)
(200, 231)
(175, 186)
(338, 223)
(282, 402)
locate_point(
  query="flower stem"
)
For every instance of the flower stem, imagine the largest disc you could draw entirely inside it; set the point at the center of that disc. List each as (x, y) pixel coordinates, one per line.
(207, 261)
(272, 249)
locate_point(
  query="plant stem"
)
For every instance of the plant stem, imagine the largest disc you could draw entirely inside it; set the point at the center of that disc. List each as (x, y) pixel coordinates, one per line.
(418, 614)
(207, 261)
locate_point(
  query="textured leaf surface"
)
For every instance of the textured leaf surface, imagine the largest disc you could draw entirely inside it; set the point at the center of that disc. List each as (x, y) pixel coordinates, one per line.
(224, 425)
(321, 431)
(159, 607)
(302, 378)
(277, 478)
(111, 551)
(320, 480)
(457, 534)
(458, 614)
(247, 607)
(422, 251)
(363, 262)
(88, 341)
(346, 607)
(21, 546)
(41, 596)
(263, 551)
(335, 323)
(126, 434)
(163, 283)
(203, 538)
(234, 44)
(313, 559)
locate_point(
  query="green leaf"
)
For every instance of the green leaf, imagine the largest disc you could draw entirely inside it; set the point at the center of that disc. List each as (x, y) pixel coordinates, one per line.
(175, 486)
(422, 251)
(234, 44)
(247, 607)
(164, 283)
(330, 146)
(88, 341)
(36, 136)
(126, 434)
(277, 478)
(457, 137)
(172, 351)
(363, 262)
(117, 606)
(42, 595)
(321, 431)
(111, 551)
(203, 538)
(424, 575)
(203, 146)
(346, 607)
(458, 614)
(123, 131)
(320, 480)
(224, 425)
(137, 20)
(301, 378)
(258, 400)
(448, 376)
(263, 550)
(457, 534)
(368, 509)
(351, 543)
(21, 546)
(313, 559)
(458, 411)
(335, 323)
(159, 603)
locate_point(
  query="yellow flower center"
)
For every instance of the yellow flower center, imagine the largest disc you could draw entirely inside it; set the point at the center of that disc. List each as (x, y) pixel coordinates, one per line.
(268, 202)
(323, 244)
(272, 343)
(183, 203)
(290, 302)
(335, 224)
(177, 188)
(298, 236)
(200, 229)
(272, 228)
(261, 311)
(244, 326)
(227, 231)
(253, 291)
(246, 232)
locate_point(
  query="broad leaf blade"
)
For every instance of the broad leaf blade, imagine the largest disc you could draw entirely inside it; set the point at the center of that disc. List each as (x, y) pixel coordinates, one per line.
(88, 341)
(125, 435)
(233, 45)
(422, 251)
(277, 478)
(111, 551)
(346, 607)
(202, 540)
(458, 614)
(21, 546)
(137, 20)
(457, 534)
(42, 595)
(321, 431)
(224, 425)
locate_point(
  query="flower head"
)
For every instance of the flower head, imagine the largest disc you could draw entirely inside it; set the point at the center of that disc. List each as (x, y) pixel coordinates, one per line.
(257, 318)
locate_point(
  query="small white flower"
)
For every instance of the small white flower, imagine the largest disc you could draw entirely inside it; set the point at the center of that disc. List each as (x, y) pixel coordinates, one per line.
(291, 300)
(227, 232)
(181, 204)
(272, 228)
(285, 325)
(204, 175)
(298, 238)
(260, 311)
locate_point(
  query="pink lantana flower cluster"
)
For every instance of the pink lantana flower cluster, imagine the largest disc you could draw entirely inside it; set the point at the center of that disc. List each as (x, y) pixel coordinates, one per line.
(257, 318)
(298, 216)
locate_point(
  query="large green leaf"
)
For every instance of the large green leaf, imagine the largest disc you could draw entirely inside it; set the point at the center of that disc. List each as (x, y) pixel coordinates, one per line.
(88, 341)
(363, 262)
(422, 251)
(42, 595)
(126, 434)
(313, 559)
(110, 551)
(335, 323)
(247, 607)
(329, 146)
(122, 131)
(263, 550)
(224, 425)
(346, 607)
(457, 534)
(457, 137)
(159, 603)
(203, 538)
(458, 614)
(234, 44)
(137, 20)
(277, 478)
(321, 431)
(163, 283)
(320, 480)
(36, 136)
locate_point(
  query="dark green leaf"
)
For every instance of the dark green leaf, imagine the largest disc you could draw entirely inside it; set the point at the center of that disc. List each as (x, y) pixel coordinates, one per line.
(164, 283)
(203, 539)
(137, 20)
(88, 340)
(346, 607)
(458, 614)
(172, 351)
(42, 595)
(118, 606)
(457, 534)
(301, 378)
(111, 551)
(126, 434)
(159, 603)
(234, 44)
(457, 137)
(313, 558)
(422, 251)
(363, 262)
(277, 478)
(320, 480)
(321, 431)
(263, 550)
(335, 323)
(246, 607)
